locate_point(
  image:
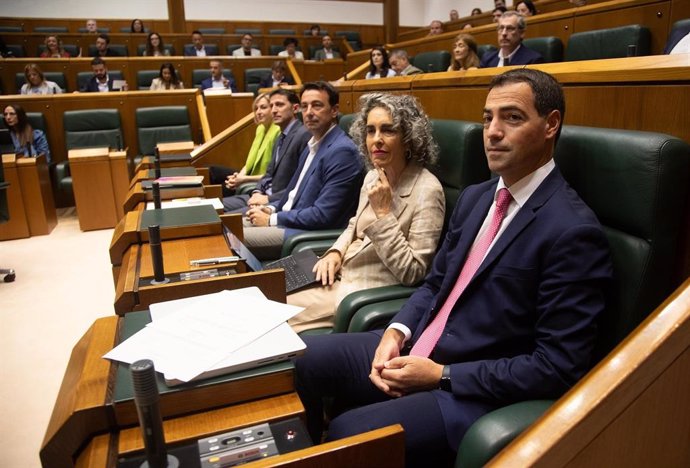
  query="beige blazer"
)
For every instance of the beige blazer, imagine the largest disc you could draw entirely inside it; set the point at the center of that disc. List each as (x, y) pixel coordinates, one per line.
(399, 247)
(158, 85)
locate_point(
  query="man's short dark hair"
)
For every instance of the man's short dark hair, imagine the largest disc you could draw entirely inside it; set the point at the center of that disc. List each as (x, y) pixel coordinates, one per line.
(196, 31)
(251, 36)
(333, 96)
(290, 95)
(548, 93)
(97, 61)
(104, 36)
(290, 40)
(501, 9)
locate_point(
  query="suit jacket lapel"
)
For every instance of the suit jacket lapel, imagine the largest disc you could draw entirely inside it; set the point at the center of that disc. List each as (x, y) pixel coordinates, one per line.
(285, 145)
(323, 147)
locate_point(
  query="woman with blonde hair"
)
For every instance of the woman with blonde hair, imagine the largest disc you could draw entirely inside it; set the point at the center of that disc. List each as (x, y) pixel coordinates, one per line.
(464, 53)
(54, 48)
(36, 82)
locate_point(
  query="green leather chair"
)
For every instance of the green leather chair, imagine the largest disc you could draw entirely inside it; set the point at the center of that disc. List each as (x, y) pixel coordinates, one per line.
(141, 48)
(551, 48)
(678, 30)
(15, 51)
(352, 37)
(431, 62)
(637, 184)
(145, 77)
(281, 32)
(99, 30)
(212, 30)
(230, 48)
(253, 31)
(84, 77)
(51, 29)
(120, 49)
(275, 49)
(323, 32)
(211, 49)
(4, 29)
(609, 43)
(200, 74)
(484, 48)
(57, 77)
(253, 77)
(86, 129)
(461, 163)
(162, 125)
(72, 49)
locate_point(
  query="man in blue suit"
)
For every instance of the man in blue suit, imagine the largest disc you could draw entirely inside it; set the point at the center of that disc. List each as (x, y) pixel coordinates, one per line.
(217, 79)
(521, 325)
(323, 192)
(511, 32)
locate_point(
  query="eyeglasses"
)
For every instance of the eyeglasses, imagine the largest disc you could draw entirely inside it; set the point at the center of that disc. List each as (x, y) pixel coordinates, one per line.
(507, 28)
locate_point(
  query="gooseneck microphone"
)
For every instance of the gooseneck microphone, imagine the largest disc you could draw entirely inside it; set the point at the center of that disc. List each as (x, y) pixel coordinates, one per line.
(156, 189)
(157, 163)
(146, 399)
(157, 255)
(119, 142)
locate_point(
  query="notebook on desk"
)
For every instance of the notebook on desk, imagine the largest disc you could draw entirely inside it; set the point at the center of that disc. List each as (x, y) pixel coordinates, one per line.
(298, 267)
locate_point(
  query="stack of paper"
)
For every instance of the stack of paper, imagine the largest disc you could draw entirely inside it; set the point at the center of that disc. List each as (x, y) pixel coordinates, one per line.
(208, 335)
(192, 201)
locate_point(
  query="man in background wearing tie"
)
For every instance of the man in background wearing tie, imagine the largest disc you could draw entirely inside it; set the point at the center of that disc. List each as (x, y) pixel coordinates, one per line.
(508, 312)
(286, 152)
(511, 32)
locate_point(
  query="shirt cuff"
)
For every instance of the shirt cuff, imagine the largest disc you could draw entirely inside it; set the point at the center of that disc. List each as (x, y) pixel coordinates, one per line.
(273, 220)
(403, 329)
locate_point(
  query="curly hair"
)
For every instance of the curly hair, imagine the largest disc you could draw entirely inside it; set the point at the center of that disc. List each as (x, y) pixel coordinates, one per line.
(408, 118)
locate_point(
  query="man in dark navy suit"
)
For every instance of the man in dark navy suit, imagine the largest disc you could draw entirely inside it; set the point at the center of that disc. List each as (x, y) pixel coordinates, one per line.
(508, 312)
(323, 191)
(511, 32)
(217, 79)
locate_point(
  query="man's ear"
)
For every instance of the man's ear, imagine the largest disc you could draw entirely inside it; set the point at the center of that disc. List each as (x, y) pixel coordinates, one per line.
(553, 123)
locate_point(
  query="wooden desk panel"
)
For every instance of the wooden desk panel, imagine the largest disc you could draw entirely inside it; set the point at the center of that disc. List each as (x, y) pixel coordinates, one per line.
(18, 226)
(93, 189)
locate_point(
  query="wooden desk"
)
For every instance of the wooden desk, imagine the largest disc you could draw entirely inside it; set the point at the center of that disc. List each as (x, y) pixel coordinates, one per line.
(137, 194)
(100, 180)
(131, 295)
(29, 197)
(91, 402)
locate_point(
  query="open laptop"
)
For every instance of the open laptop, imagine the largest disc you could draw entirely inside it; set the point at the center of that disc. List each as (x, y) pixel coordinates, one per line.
(298, 267)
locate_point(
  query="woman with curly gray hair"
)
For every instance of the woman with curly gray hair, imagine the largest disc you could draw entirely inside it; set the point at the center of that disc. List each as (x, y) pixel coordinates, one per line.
(392, 237)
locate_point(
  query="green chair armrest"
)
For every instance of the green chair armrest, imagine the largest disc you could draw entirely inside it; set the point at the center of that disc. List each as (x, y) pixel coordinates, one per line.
(375, 316)
(61, 170)
(355, 301)
(308, 236)
(245, 189)
(493, 431)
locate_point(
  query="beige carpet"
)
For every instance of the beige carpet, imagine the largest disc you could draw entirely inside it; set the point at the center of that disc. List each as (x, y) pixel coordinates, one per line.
(63, 284)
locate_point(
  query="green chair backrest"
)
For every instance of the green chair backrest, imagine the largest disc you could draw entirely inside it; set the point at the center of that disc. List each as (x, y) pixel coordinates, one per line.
(211, 49)
(57, 77)
(100, 30)
(141, 48)
(145, 77)
(248, 31)
(51, 29)
(637, 183)
(4, 29)
(92, 128)
(119, 49)
(551, 48)
(72, 49)
(281, 32)
(200, 74)
(681, 27)
(84, 77)
(430, 62)
(15, 50)
(162, 125)
(608, 43)
(253, 77)
(212, 30)
(230, 48)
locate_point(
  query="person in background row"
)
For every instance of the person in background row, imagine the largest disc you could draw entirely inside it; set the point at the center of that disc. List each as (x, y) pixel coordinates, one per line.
(36, 82)
(103, 47)
(91, 26)
(379, 66)
(400, 64)
(435, 28)
(167, 79)
(217, 79)
(526, 8)
(137, 26)
(315, 30)
(497, 13)
(155, 46)
(196, 49)
(247, 50)
(327, 52)
(290, 44)
(476, 11)
(511, 32)
(453, 15)
(393, 235)
(464, 53)
(499, 3)
(278, 77)
(26, 140)
(54, 48)
(100, 82)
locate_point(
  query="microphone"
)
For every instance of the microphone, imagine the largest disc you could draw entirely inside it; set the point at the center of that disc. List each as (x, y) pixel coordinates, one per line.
(146, 399)
(119, 142)
(156, 195)
(157, 162)
(157, 255)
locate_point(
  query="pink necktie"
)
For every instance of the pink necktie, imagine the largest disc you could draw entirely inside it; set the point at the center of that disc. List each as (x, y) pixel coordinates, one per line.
(429, 337)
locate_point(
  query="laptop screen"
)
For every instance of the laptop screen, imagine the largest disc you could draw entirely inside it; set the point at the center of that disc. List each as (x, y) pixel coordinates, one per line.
(242, 250)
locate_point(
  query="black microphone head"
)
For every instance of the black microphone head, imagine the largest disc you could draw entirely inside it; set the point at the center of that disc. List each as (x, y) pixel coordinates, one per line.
(144, 381)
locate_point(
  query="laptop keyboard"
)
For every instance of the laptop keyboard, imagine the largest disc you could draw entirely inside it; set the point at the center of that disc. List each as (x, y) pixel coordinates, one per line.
(295, 278)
